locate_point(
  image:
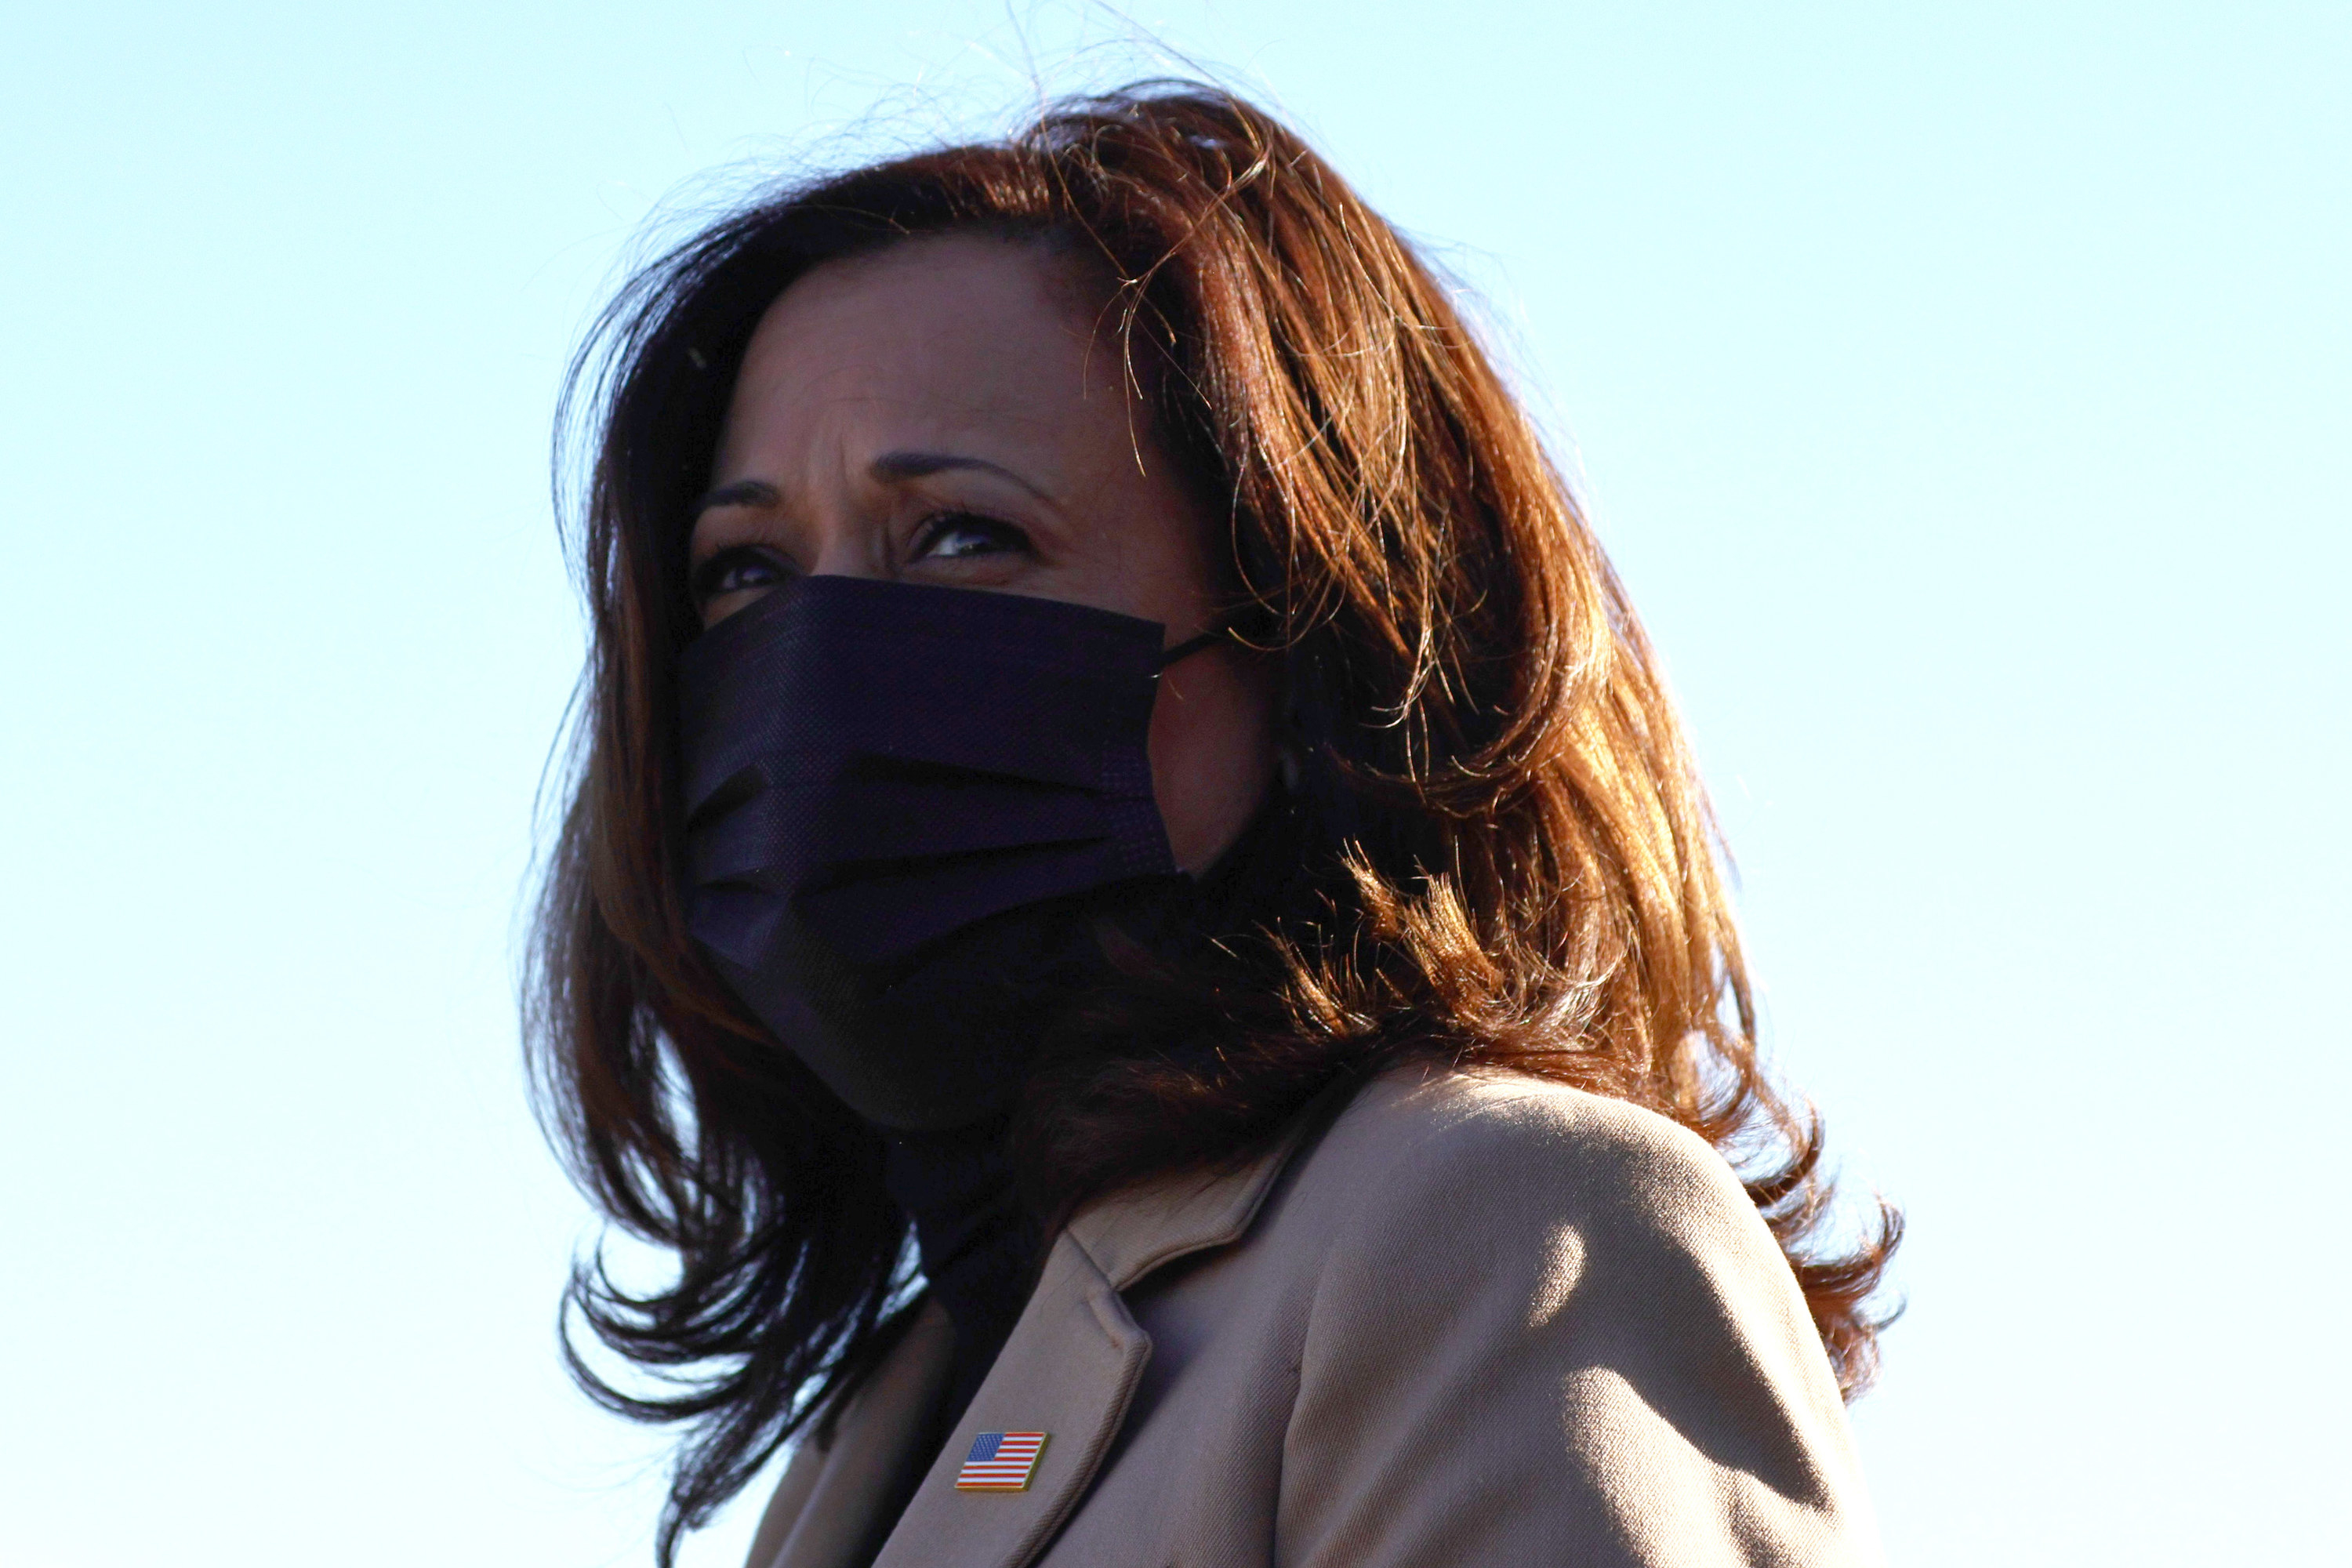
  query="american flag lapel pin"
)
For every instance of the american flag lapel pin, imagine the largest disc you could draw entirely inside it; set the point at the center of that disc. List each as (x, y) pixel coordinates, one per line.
(1001, 1462)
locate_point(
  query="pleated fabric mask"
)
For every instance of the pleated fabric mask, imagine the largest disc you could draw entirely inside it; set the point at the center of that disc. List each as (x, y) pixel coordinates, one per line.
(908, 810)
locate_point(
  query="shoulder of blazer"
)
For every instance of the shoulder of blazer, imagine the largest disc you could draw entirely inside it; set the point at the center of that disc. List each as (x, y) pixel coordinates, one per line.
(1418, 1134)
(1411, 1128)
(1448, 1164)
(1511, 1278)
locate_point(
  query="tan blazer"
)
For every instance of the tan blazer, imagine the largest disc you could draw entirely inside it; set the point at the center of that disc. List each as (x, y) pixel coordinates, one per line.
(1481, 1320)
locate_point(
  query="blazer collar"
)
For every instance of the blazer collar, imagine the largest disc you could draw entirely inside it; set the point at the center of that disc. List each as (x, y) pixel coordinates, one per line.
(1071, 1365)
(1131, 1233)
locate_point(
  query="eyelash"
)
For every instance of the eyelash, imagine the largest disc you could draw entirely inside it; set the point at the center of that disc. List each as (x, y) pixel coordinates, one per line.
(707, 578)
(929, 532)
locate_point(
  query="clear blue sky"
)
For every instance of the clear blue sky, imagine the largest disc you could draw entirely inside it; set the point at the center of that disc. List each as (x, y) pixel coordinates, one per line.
(1961, 390)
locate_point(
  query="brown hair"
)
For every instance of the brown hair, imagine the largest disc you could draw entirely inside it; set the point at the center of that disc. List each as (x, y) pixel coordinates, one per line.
(1518, 867)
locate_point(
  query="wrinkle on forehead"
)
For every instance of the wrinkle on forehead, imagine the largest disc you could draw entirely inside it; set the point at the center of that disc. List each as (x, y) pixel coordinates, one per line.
(863, 330)
(1072, 277)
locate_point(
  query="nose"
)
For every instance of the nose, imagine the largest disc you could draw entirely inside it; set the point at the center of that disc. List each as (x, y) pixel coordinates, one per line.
(845, 549)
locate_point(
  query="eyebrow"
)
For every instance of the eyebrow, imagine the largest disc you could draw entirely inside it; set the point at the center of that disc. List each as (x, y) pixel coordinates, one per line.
(742, 492)
(922, 465)
(890, 467)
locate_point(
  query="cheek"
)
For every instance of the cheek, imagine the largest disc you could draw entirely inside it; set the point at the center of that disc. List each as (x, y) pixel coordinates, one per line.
(1212, 753)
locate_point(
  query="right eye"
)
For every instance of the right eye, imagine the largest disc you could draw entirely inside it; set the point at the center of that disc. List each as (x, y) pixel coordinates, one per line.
(742, 569)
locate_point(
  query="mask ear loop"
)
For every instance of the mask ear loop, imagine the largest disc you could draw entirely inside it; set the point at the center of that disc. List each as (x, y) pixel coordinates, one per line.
(1192, 646)
(1287, 755)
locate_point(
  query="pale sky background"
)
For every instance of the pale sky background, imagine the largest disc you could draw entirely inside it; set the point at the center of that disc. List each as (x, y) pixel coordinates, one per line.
(1962, 390)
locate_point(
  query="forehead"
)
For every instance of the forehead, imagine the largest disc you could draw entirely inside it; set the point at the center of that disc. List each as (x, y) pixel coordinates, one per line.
(931, 337)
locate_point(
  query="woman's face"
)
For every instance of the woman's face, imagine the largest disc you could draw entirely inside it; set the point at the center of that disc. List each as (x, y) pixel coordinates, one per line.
(944, 412)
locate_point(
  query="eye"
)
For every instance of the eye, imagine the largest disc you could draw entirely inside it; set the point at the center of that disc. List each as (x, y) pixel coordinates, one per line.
(738, 570)
(960, 535)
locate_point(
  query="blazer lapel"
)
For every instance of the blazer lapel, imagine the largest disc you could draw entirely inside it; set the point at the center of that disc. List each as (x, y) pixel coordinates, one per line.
(829, 1496)
(1069, 1368)
(1067, 1371)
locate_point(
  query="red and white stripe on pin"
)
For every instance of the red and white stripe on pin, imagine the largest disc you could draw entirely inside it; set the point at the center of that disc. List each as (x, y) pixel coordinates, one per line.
(1001, 1462)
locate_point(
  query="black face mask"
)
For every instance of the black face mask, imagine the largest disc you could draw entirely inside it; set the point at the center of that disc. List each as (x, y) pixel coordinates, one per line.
(908, 810)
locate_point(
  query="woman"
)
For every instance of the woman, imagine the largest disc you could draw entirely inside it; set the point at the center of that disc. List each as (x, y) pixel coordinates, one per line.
(1137, 914)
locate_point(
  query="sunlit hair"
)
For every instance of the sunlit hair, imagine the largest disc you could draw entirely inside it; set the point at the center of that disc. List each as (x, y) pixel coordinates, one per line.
(1517, 868)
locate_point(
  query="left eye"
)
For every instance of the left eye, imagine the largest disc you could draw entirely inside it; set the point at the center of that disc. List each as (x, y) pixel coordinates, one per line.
(954, 536)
